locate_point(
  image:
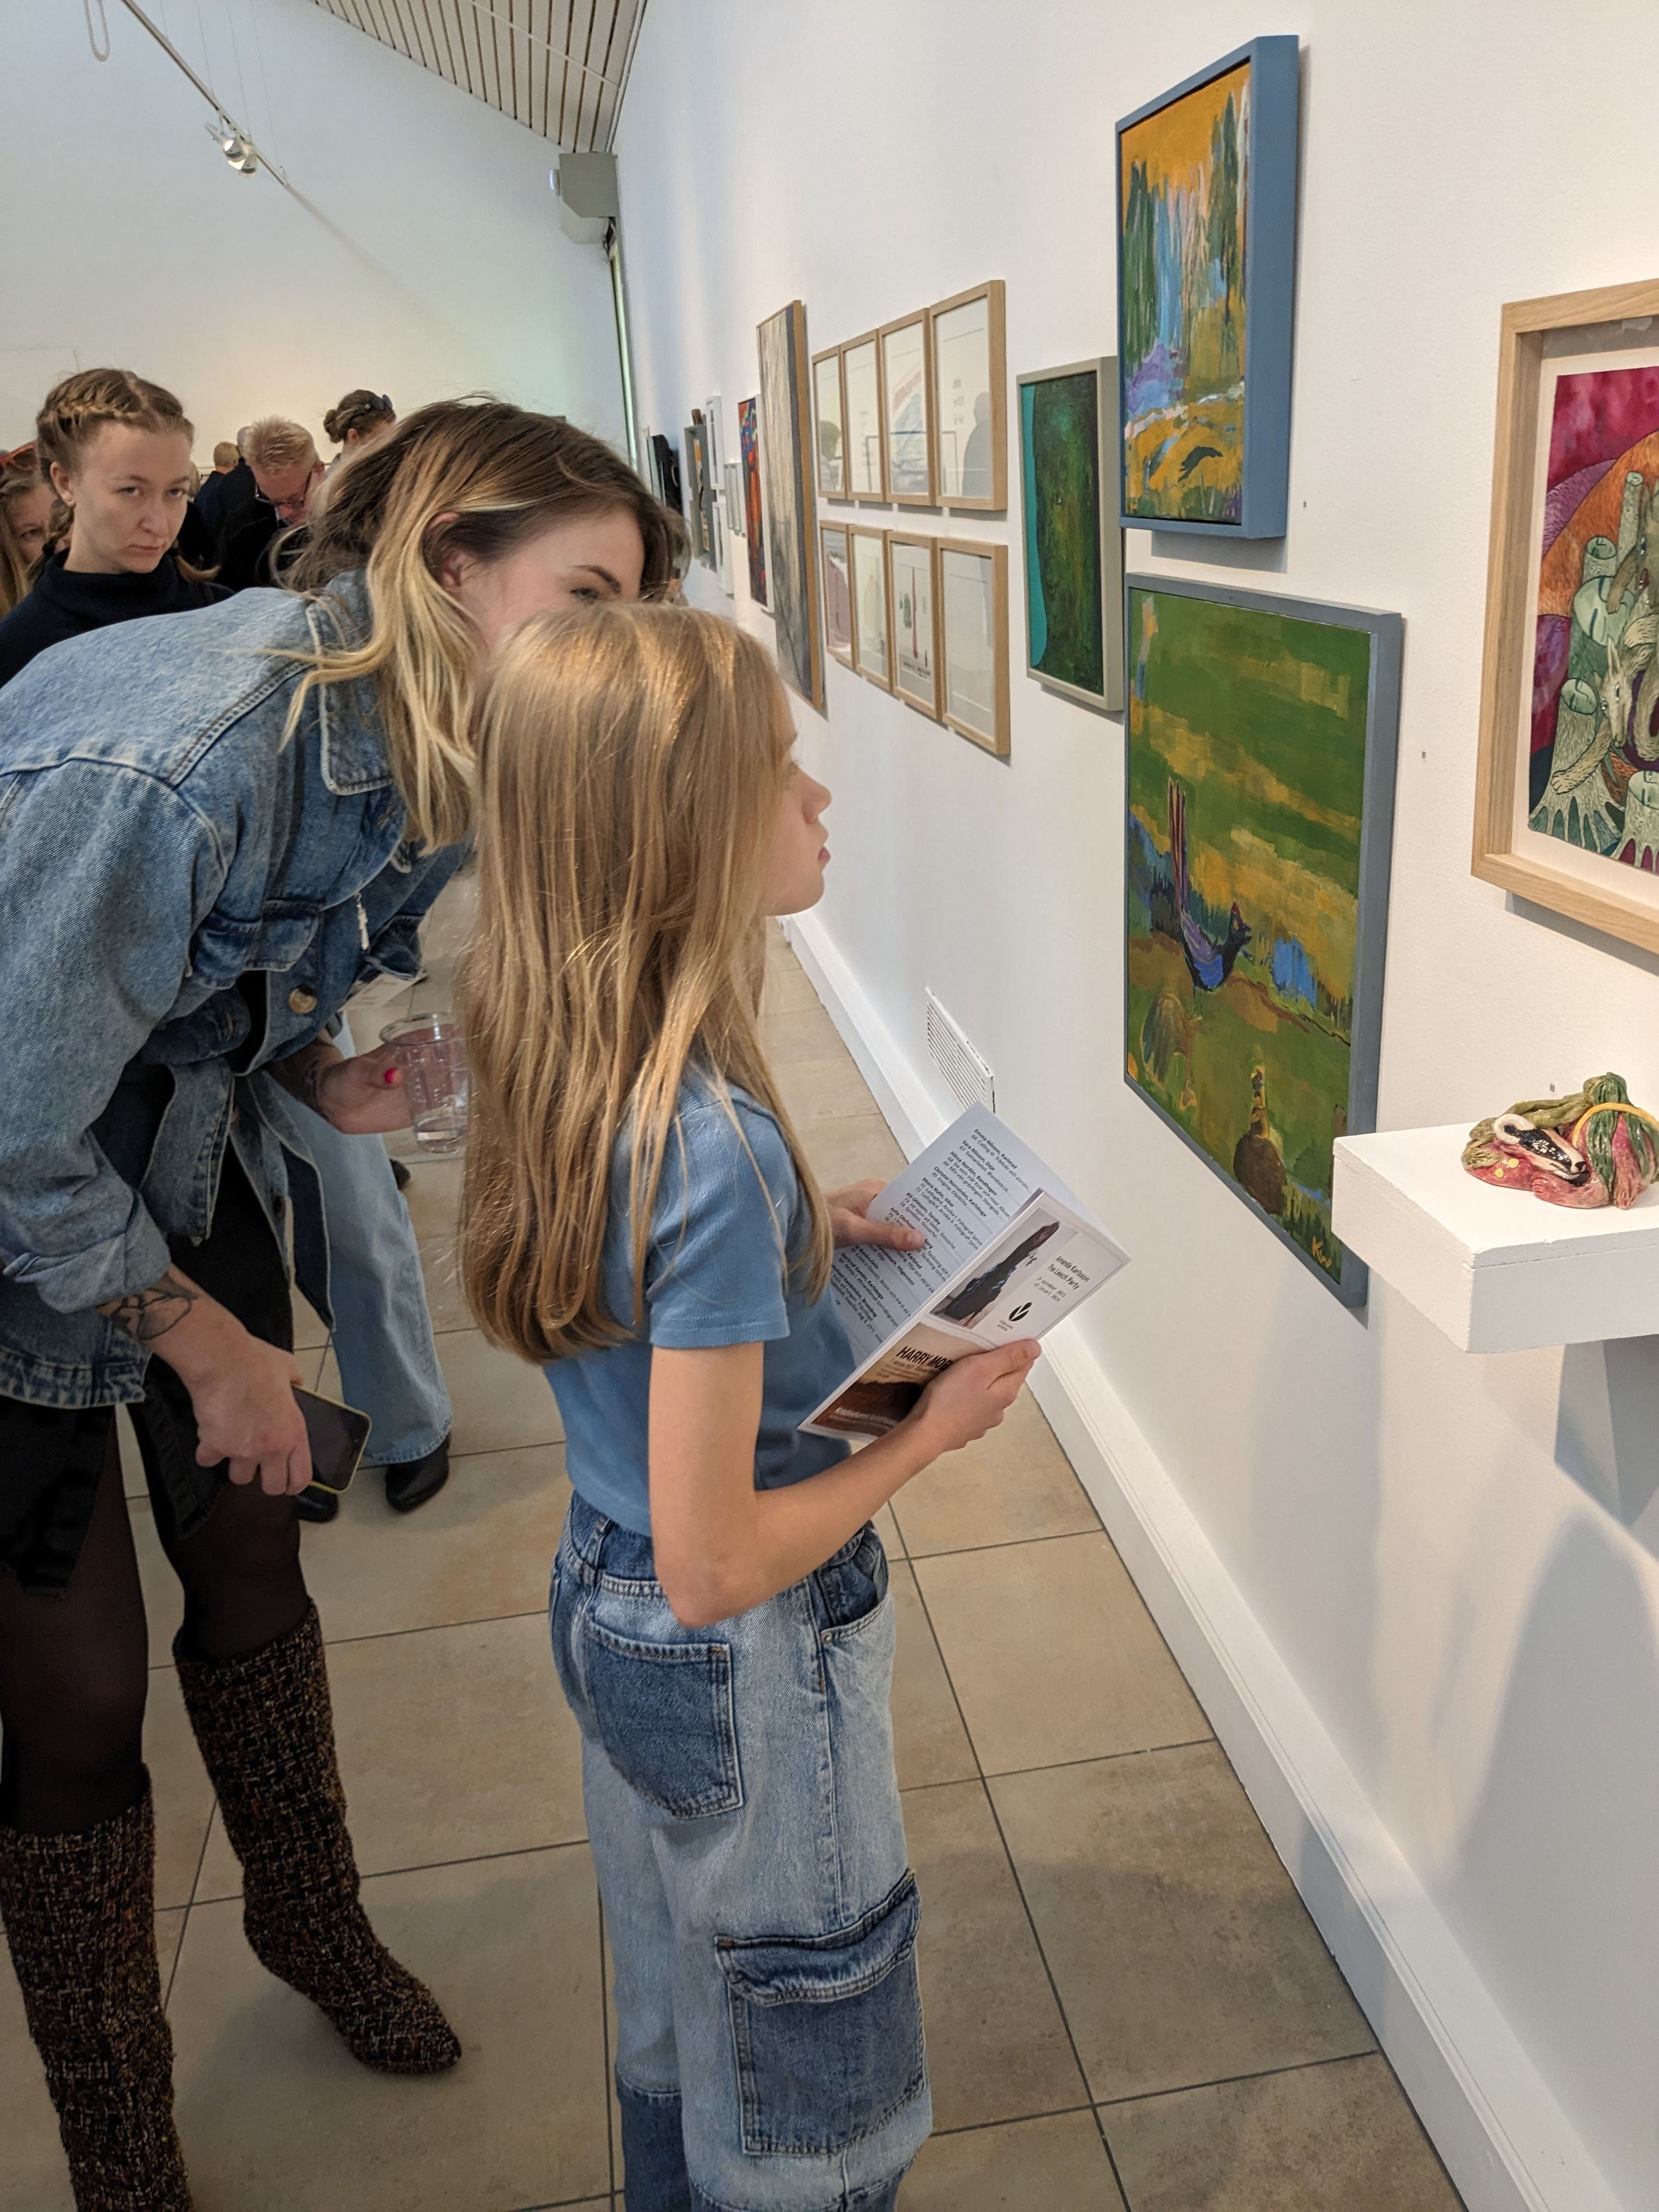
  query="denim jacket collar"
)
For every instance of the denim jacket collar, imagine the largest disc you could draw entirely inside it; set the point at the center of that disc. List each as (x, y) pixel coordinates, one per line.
(353, 755)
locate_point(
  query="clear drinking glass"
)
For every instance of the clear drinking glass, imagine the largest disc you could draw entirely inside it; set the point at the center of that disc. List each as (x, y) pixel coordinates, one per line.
(432, 1059)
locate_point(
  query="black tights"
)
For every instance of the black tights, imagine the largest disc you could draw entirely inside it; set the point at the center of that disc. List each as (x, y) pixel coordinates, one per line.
(74, 1667)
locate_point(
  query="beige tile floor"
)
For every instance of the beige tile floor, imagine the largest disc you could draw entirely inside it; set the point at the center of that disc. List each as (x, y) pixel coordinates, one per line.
(1126, 2005)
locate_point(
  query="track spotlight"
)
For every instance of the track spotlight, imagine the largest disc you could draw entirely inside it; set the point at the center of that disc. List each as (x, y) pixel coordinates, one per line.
(234, 147)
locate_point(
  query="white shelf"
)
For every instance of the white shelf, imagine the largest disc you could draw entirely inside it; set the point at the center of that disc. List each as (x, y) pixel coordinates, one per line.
(1499, 1270)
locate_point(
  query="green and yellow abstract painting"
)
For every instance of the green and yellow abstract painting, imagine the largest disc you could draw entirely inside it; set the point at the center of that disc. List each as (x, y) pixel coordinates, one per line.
(1247, 781)
(1065, 609)
(1185, 187)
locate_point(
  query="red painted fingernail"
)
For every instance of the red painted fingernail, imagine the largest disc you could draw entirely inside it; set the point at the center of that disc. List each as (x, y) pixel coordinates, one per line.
(391, 1075)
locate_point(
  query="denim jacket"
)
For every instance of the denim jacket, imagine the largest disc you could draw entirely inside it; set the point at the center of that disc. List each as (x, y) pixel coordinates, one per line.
(184, 898)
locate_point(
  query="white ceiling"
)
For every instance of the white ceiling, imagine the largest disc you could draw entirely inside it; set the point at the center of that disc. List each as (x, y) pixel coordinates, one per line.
(557, 66)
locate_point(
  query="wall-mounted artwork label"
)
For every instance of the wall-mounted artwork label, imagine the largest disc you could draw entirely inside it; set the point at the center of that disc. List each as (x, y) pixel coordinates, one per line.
(915, 621)
(973, 586)
(828, 410)
(837, 592)
(908, 404)
(862, 365)
(1206, 218)
(1074, 547)
(754, 513)
(970, 405)
(1261, 749)
(871, 624)
(786, 473)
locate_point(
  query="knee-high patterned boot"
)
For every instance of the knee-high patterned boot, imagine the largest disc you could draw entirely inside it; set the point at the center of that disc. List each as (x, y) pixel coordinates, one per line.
(79, 1916)
(267, 1738)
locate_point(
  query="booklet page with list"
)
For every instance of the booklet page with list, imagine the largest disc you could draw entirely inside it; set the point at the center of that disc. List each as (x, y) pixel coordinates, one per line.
(1009, 1252)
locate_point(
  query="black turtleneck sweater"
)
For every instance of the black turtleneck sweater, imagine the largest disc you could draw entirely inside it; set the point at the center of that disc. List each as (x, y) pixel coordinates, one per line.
(65, 602)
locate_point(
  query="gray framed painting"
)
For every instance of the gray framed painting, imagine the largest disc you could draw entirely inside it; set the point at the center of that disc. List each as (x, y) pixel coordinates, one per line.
(1260, 769)
(1206, 275)
(792, 547)
(1073, 546)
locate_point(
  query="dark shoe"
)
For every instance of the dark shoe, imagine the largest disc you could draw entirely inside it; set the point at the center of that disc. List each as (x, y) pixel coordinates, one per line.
(267, 1738)
(414, 1481)
(400, 1175)
(79, 1915)
(314, 1503)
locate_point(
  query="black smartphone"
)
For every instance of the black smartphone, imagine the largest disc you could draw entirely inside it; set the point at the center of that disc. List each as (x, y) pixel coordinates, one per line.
(338, 1435)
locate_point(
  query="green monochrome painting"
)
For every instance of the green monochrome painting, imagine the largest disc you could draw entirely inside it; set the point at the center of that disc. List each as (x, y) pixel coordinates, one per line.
(1261, 749)
(1074, 547)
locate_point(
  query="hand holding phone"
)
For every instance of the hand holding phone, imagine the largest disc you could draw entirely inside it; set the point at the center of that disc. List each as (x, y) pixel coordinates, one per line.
(338, 1435)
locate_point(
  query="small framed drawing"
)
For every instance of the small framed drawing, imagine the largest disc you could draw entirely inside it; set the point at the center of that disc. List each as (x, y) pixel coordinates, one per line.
(830, 423)
(873, 626)
(696, 512)
(913, 595)
(970, 399)
(907, 397)
(733, 499)
(1566, 808)
(867, 448)
(754, 512)
(837, 591)
(973, 591)
(1206, 275)
(1074, 547)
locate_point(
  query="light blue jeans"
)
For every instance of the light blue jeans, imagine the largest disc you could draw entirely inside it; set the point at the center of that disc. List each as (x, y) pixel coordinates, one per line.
(383, 1339)
(744, 1818)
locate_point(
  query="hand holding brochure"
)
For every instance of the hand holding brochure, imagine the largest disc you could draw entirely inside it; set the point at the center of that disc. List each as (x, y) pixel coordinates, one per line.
(1009, 1252)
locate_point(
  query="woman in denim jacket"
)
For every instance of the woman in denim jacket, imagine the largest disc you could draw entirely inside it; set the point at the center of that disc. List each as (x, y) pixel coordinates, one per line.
(212, 826)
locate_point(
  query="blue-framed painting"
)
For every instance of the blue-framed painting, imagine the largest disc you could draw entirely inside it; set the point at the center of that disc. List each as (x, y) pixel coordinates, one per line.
(1074, 547)
(1205, 285)
(1260, 744)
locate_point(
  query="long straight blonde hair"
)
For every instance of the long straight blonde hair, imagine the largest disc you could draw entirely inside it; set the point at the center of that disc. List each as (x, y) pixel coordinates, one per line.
(470, 476)
(630, 765)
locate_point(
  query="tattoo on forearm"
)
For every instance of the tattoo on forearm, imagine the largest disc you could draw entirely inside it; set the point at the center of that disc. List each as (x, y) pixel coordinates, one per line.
(302, 1072)
(145, 1315)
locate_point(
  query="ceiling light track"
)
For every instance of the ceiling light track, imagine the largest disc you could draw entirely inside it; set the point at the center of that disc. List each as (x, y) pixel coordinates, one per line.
(237, 145)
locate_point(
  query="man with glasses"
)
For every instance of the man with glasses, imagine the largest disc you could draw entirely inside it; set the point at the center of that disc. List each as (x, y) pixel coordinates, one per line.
(283, 457)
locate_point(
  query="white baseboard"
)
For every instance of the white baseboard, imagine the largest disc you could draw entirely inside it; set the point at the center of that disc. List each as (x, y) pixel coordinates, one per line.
(1506, 2143)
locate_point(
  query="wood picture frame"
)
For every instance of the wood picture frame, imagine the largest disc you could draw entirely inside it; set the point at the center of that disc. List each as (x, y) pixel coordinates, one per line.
(906, 410)
(973, 641)
(872, 608)
(830, 424)
(1259, 747)
(1566, 805)
(836, 559)
(791, 538)
(969, 354)
(1204, 379)
(754, 509)
(866, 419)
(1067, 422)
(914, 609)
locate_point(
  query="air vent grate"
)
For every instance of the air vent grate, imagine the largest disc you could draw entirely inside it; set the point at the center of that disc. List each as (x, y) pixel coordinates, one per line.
(961, 1066)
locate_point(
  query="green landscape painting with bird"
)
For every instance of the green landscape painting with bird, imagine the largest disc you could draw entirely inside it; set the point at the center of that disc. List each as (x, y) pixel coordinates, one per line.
(1247, 732)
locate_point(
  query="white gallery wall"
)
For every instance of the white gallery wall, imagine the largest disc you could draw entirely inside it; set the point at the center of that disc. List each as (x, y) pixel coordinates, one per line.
(1418, 1589)
(422, 255)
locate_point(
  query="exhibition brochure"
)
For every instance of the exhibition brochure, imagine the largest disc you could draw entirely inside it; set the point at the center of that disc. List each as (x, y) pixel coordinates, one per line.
(1009, 1253)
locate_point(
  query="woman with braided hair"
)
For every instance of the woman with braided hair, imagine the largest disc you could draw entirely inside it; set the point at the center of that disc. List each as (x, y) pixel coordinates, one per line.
(214, 828)
(115, 449)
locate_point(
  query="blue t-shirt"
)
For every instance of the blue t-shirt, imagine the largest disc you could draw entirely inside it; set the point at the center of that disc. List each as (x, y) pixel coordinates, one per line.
(715, 1274)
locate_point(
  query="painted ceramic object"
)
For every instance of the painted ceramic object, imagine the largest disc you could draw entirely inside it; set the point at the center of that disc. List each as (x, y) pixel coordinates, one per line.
(1593, 1149)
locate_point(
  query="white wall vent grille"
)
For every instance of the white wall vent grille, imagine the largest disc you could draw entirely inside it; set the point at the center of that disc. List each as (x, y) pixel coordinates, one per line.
(961, 1066)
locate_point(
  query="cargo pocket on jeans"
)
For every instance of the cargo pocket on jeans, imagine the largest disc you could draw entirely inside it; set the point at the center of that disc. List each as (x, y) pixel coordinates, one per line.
(828, 2030)
(664, 1714)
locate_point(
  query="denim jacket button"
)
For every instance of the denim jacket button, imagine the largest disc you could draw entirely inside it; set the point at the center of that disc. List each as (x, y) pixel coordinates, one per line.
(301, 1001)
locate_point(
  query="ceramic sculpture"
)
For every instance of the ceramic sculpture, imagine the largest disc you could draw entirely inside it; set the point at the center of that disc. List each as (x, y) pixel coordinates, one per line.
(1592, 1149)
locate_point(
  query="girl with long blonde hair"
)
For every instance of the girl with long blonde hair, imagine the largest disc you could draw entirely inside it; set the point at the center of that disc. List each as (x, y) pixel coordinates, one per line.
(216, 826)
(640, 1216)
(25, 502)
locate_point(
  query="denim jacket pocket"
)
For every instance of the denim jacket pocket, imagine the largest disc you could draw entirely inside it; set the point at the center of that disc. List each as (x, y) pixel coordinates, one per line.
(827, 2030)
(664, 1713)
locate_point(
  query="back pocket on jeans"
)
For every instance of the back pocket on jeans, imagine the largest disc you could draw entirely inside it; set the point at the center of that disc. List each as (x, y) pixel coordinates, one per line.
(827, 2029)
(664, 1714)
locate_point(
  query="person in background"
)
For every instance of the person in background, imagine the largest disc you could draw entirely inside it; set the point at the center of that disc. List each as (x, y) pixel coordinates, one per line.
(25, 501)
(240, 815)
(640, 1214)
(382, 1336)
(116, 450)
(227, 491)
(283, 457)
(357, 421)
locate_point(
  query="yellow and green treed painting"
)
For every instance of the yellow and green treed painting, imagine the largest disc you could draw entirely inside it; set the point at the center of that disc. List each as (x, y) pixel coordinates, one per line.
(1185, 187)
(1247, 737)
